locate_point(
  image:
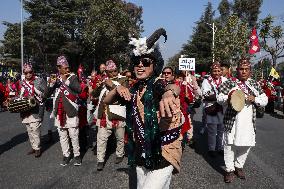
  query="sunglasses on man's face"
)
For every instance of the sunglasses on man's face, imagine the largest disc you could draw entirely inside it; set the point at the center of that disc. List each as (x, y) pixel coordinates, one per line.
(30, 72)
(146, 62)
(112, 71)
(167, 73)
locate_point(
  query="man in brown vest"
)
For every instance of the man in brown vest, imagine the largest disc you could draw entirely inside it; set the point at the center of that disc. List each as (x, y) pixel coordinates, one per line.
(65, 110)
(109, 117)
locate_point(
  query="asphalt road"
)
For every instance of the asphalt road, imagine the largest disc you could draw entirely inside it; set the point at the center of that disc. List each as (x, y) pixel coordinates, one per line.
(264, 167)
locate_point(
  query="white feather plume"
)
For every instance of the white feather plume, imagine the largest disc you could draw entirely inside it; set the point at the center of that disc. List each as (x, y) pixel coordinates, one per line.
(140, 46)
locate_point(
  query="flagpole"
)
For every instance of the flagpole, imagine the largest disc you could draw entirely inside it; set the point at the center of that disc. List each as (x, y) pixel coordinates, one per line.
(22, 39)
(213, 27)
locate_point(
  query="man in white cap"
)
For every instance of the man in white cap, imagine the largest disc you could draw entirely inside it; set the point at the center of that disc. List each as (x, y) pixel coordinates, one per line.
(65, 110)
(239, 134)
(33, 87)
(109, 117)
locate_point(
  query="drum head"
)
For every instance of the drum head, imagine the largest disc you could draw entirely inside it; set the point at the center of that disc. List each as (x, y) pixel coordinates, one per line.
(238, 100)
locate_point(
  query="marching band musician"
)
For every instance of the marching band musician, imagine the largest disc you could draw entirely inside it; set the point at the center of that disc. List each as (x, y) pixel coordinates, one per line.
(109, 117)
(239, 134)
(32, 86)
(65, 110)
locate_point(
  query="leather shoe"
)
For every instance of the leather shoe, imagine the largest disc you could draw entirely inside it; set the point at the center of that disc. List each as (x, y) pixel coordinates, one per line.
(221, 152)
(37, 153)
(32, 151)
(212, 154)
(240, 173)
(100, 166)
(229, 177)
(118, 160)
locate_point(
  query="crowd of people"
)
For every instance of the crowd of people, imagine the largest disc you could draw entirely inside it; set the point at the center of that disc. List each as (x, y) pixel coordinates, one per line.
(149, 108)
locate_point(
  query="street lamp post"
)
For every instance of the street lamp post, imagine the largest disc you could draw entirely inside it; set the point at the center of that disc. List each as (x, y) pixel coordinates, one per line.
(22, 39)
(214, 29)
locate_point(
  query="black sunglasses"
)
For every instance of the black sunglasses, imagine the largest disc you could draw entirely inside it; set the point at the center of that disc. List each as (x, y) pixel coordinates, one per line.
(112, 71)
(167, 73)
(30, 72)
(145, 61)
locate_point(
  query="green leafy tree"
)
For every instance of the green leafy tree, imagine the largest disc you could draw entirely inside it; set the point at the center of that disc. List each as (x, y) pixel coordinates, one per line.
(110, 24)
(247, 10)
(11, 45)
(231, 42)
(12, 40)
(262, 68)
(200, 44)
(225, 11)
(272, 38)
(84, 30)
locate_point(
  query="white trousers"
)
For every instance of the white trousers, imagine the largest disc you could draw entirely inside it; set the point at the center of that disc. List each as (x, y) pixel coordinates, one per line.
(155, 179)
(34, 134)
(235, 156)
(102, 138)
(73, 134)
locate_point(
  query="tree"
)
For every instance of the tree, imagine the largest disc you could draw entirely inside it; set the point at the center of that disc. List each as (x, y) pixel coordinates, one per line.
(272, 38)
(247, 10)
(84, 30)
(110, 24)
(173, 61)
(200, 44)
(231, 40)
(262, 68)
(224, 10)
(12, 40)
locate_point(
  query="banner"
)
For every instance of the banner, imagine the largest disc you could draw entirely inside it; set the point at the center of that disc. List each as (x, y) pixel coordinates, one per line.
(187, 64)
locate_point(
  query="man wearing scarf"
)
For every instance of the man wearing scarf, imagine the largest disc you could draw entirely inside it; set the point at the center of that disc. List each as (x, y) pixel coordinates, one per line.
(65, 110)
(213, 111)
(109, 117)
(239, 134)
(32, 86)
(154, 148)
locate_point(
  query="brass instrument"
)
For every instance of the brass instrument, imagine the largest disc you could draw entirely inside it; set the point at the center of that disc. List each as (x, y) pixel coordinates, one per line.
(53, 76)
(21, 104)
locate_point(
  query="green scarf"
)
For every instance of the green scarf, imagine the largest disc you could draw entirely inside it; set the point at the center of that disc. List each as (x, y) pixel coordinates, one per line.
(152, 140)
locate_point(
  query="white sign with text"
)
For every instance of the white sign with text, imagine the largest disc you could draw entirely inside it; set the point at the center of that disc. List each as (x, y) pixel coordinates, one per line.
(186, 64)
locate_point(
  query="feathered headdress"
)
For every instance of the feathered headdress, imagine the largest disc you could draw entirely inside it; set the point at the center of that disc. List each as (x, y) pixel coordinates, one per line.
(147, 48)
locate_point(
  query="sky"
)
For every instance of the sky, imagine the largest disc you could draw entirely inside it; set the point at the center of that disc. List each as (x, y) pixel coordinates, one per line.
(178, 17)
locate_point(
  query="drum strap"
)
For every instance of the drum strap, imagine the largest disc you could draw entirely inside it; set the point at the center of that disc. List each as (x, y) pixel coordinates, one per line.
(28, 89)
(64, 90)
(214, 85)
(247, 89)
